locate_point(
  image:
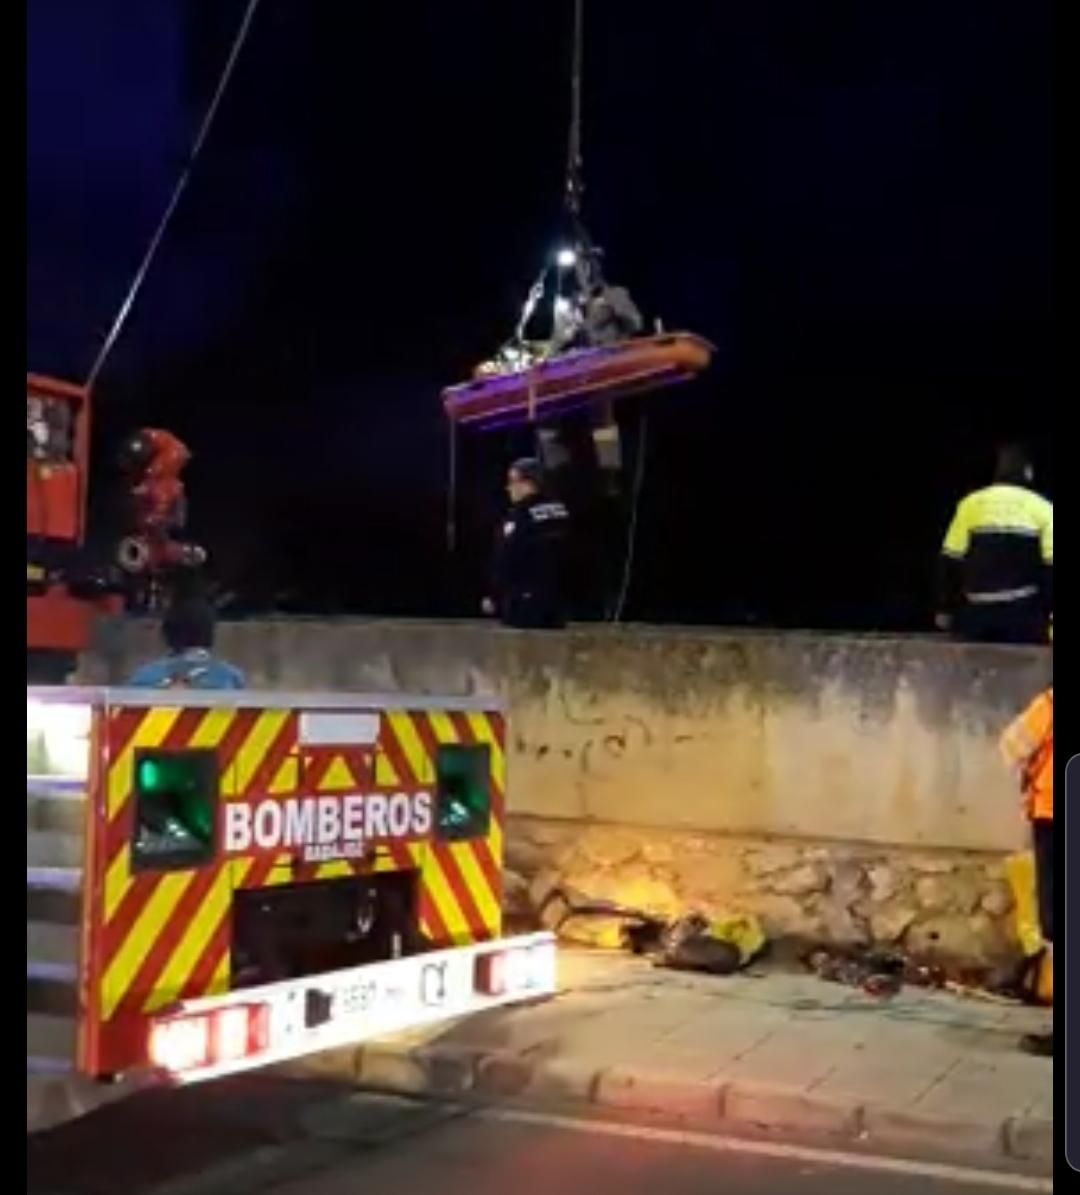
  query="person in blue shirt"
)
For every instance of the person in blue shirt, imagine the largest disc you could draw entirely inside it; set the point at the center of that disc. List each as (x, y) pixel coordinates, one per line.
(188, 630)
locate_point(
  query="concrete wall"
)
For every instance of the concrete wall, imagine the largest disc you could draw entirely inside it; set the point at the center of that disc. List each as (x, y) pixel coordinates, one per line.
(874, 740)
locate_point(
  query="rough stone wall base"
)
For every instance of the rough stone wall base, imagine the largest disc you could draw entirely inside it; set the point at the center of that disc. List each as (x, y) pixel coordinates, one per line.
(951, 906)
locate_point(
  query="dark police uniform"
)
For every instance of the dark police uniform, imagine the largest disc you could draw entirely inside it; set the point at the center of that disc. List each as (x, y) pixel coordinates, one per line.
(998, 564)
(529, 564)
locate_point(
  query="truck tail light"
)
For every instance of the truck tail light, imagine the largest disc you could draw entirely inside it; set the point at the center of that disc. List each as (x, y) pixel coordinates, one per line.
(180, 1044)
(191, 1042)
(516, 972)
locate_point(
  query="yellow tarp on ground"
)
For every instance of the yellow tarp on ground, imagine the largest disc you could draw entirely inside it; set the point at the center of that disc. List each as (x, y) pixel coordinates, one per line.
(743, 932)
(1020, 872)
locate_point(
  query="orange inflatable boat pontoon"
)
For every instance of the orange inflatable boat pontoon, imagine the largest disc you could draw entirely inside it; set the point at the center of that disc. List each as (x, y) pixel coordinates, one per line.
(577, 379)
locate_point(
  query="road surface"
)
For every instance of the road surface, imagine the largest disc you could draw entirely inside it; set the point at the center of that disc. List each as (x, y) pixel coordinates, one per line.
(272, 1137)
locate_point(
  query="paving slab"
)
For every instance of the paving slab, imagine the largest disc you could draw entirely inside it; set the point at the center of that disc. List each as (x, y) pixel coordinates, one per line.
(781, 1059)
(978, 1101)
(895, 1084)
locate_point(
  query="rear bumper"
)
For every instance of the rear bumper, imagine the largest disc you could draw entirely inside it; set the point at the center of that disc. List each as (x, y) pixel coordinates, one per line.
(323, 1012)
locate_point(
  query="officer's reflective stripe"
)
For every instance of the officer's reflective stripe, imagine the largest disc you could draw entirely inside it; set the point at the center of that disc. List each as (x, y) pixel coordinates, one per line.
(1003, 595)
(547, 510)
(1004, 529)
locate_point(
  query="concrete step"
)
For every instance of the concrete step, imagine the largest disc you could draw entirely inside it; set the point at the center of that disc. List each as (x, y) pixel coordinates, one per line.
(50, 1043)
(50, 848)
(49, 942)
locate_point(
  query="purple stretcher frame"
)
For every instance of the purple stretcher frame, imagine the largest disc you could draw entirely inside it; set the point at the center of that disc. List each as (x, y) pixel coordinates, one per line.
(571, 392)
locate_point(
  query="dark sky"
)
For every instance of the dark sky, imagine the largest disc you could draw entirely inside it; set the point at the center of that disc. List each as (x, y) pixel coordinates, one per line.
(851, 199)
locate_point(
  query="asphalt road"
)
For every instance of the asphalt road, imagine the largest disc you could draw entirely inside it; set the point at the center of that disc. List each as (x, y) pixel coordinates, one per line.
(270, 1137)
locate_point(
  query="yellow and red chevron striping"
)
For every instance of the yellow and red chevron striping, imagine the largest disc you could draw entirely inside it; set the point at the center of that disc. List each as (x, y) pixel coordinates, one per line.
(166, 936)
(480, 728)
(458, 877)
(156, 928)
(477, 904)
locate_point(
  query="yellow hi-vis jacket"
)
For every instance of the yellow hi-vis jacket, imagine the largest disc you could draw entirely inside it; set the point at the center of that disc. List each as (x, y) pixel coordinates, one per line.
(1000, 547)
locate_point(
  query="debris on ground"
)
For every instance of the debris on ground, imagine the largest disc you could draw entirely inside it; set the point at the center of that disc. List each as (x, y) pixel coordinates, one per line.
(883, 974)
(968, 992)
(689, 943)
(723, 946)
(878, 974)
(694, 943)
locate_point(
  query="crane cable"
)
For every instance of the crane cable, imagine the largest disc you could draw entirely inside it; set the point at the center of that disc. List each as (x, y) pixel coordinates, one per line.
(631, 532)
(181, 185)
(588, 264)
(575, 185)
(451, 491)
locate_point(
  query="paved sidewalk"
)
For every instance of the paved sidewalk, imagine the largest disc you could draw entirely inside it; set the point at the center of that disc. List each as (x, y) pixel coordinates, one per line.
(768, 1048)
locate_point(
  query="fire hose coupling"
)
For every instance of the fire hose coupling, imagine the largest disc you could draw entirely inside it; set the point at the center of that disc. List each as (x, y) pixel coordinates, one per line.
(138, 554)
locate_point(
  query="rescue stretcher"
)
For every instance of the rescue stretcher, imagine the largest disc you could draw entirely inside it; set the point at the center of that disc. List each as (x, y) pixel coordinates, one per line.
(577, 379)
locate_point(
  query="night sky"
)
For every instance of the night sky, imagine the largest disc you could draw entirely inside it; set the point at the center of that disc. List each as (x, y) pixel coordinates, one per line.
(850, 199)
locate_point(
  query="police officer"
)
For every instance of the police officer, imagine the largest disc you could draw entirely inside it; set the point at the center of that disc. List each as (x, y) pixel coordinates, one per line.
(997, 561)
(188, 631)
(528, 566)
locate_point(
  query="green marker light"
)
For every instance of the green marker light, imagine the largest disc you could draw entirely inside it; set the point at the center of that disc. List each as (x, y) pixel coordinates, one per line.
(149, 774)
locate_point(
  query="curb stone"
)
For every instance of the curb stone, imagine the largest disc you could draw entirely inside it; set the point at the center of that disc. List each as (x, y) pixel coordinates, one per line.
(478, 1074)
(337, 1064)
(1030, 1139)
(555, 1081)
(451, 1071)
(418, 1072)
(659, 1093)
(770, 1106)
(903, 1127)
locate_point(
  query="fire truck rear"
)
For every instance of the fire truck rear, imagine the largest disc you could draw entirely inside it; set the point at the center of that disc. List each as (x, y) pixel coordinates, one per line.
(218, 881)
